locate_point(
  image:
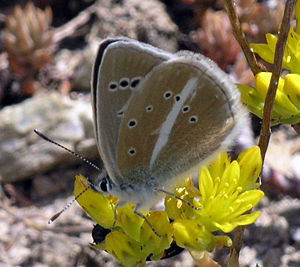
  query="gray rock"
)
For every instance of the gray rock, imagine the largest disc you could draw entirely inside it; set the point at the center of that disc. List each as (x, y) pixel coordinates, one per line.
(24, 154)
(146, 21)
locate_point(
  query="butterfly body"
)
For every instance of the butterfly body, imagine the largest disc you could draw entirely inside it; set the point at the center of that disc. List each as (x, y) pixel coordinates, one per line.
(159, 116)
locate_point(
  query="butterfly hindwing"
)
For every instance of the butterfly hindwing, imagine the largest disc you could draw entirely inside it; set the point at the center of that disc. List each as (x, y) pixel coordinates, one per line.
(182, 114)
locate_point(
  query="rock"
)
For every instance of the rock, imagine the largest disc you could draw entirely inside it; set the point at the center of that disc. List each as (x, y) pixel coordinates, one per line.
(24, 154)
(247, 256)
(272, 257)
(146, 21)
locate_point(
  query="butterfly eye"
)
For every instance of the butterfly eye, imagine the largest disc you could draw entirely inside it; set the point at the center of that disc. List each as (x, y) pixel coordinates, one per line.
(104, 185)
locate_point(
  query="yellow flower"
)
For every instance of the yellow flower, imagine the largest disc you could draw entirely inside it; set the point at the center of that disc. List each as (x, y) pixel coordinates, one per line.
(226, 197)
(129, 221)
(175, 207)
(227, 191)
(191, 235)
(125, 249)
(98, 206)
(151, 243)
(250, 167)
(287, 101)
(291, 59)
(131, 240)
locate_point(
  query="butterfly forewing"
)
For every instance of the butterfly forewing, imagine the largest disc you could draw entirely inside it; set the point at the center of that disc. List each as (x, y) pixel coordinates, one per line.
(183, 113)
(120, 67)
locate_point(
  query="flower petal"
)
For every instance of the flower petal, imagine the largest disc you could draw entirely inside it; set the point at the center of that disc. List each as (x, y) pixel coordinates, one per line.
(264, 52)
(98, 206)
(250, 162)
(125, 249)
(206, 184)
(292, 88)
(191, 235)
(151, 242)
(129, 221)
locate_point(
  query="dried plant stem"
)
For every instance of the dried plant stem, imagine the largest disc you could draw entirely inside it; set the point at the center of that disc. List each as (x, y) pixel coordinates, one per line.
(236, 247)
(277, 66)
(270, 98)
(240, 37)
(72, 26)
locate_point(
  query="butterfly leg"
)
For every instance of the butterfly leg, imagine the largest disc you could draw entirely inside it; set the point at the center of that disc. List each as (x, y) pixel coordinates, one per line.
(119, 204)
(146, 220)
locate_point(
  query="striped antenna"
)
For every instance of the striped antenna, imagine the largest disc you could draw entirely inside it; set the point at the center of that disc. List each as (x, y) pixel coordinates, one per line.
(56, 215)
(67, 149)
(91, 185)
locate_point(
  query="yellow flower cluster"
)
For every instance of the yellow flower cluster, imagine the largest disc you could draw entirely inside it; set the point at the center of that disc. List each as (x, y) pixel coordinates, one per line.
(227, 192)
(131, 240)
(287, 101)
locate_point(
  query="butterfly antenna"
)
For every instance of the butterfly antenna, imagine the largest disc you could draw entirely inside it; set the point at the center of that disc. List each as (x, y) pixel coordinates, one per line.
(67, 149)
(56, 215)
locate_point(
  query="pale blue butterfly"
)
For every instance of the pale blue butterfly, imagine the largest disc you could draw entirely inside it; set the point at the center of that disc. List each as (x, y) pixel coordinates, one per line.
(158, 117)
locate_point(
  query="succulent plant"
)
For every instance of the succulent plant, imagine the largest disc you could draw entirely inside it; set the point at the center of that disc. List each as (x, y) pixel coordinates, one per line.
(216, 39)
(29, 42)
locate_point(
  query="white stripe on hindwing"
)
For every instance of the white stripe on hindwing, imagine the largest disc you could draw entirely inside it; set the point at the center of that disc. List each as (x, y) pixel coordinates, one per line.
(168, 124)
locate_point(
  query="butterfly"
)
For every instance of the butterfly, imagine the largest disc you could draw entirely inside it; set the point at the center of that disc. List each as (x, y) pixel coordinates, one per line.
(158, 117)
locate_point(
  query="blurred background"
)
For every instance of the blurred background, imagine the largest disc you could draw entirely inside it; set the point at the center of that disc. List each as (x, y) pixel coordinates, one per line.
(47, 49)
